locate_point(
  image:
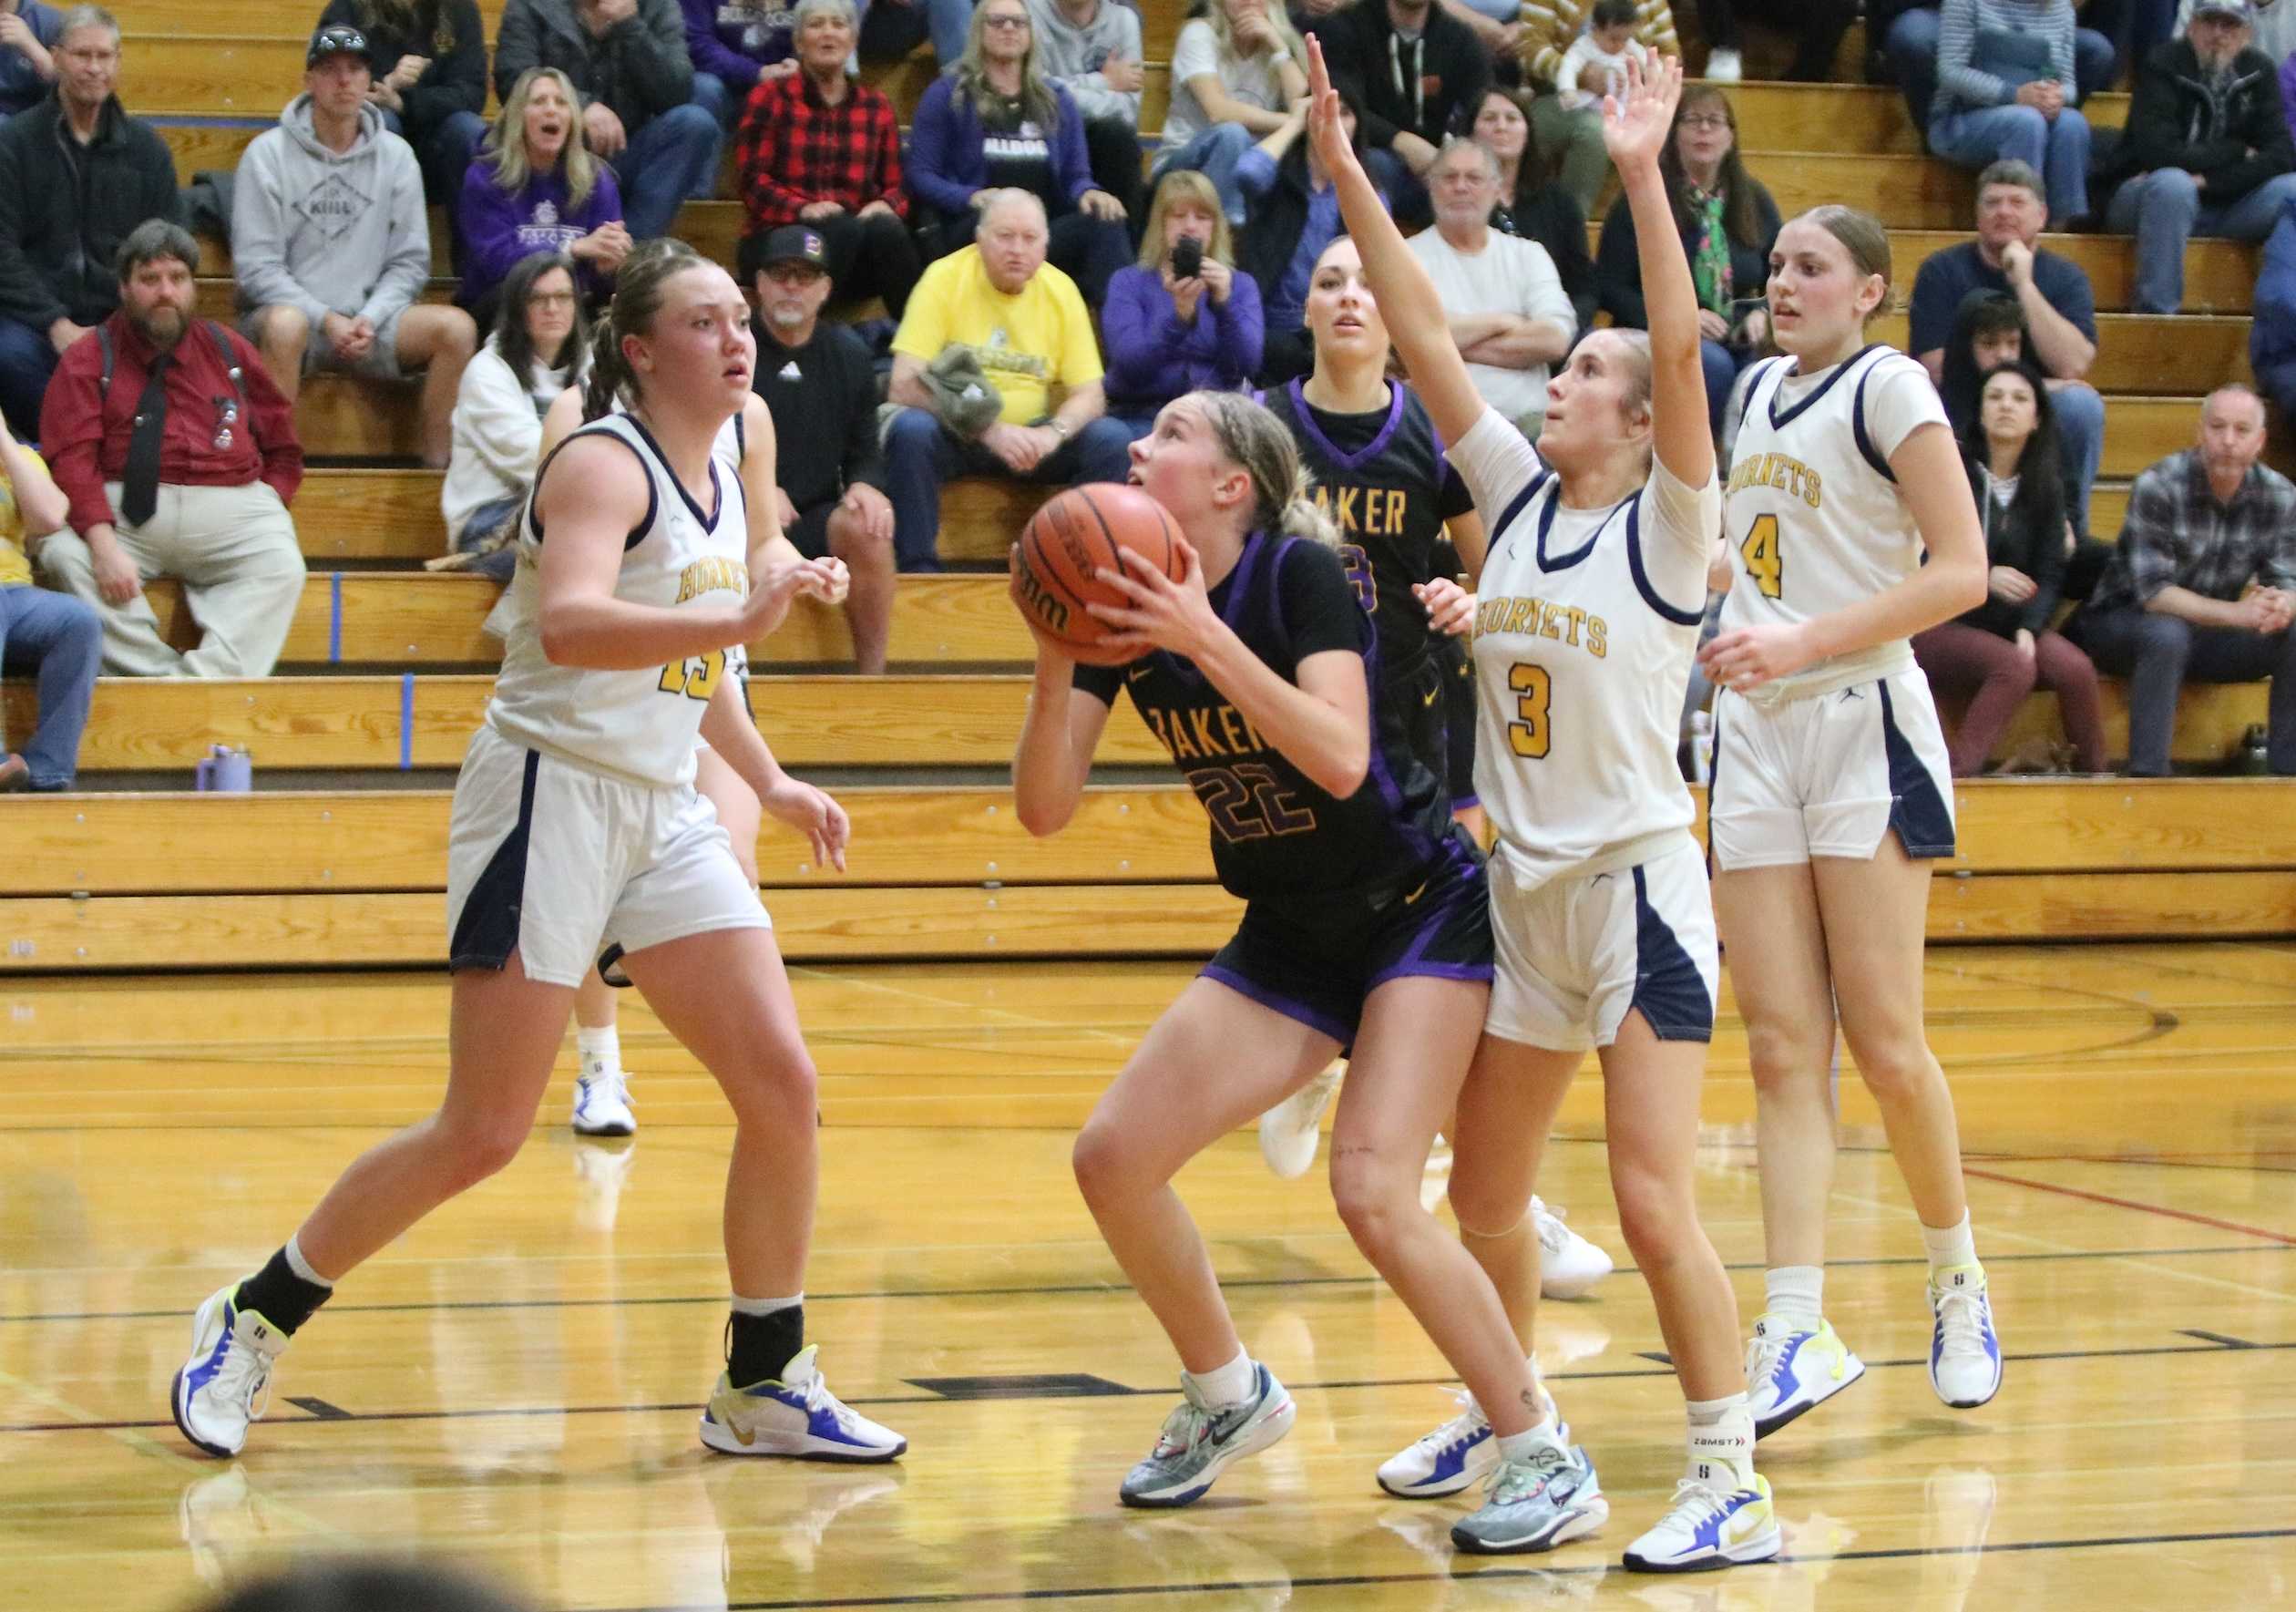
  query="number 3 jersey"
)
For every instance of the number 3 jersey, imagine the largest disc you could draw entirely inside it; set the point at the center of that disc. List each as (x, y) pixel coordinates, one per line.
(1585, 623)
(1812, 513)
(1274, 832)
(639, 726)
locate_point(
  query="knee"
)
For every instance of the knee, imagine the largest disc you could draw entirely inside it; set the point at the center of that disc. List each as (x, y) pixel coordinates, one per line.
(2169, 197)
(2080, 412)
(1654, 1215)
(912, 438)
(1104, 1172)
(2163, 637)
(853, 542)
(1894, 1062)
(781, 1089)
(482, 1145)
(282, 329)
(690, 125)
(1371, 1204)
(64, 557)
(1785, 1051)
(82, 633)
(1104, 450)
(457, 337)
(1489, 1198)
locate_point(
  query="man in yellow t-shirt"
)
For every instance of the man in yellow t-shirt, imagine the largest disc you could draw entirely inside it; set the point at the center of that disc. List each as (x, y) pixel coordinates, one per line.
(1026, 323)
(50, 635)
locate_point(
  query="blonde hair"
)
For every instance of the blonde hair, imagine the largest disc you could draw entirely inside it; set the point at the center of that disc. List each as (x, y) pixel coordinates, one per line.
(1862, 237)
(1215, 12)
(1258, 444)
(504, 149)
(637, 301)
(970, 74)
(1187, 185)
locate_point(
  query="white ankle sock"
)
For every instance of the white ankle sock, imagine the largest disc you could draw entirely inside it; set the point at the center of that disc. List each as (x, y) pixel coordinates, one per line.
(301, 1265)
(1797, 1292)
(599, 1046)
(1722, 1439)
(1229, 1385)
(1955, 1245)
(1514, 1446)
(765, 1306)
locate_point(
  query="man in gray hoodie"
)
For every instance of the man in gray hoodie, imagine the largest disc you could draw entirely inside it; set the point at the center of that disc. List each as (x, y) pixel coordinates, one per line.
(1091, 49)
(331, 244)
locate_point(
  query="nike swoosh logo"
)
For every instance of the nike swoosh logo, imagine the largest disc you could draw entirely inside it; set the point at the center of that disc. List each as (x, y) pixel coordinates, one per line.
(1431, 698)
(1415, 894)
(1743, 1525)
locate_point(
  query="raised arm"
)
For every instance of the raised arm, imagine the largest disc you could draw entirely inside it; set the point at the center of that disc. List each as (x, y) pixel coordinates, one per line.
(1635, 128)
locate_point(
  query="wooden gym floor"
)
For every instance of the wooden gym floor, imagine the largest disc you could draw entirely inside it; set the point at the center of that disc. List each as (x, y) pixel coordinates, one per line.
(515, 1383)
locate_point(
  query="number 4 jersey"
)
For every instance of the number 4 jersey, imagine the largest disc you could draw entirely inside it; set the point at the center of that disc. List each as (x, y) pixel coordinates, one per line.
(1585, 623)
(1275, 833)
(637, 725)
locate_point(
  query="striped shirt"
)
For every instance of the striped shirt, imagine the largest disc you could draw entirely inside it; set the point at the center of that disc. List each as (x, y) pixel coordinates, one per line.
(1550, 25)
(1964, 79)
(2175, 535)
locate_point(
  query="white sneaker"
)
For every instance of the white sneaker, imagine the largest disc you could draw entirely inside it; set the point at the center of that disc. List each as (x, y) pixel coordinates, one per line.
(1707, 1526)
(1568, 1264)
(795, 1416)
(1290, 1132)
(1964, 1363)
(1791, 1370)
(1456, 1455)
(222, 1387)
(1723, 67)
(601, 1101)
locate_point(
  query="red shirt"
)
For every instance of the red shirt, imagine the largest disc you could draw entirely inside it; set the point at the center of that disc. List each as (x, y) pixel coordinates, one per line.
(84, 430)
(796, 149)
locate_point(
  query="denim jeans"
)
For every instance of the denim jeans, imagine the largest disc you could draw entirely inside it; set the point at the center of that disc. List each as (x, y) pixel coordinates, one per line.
(27, 358)
(2080, 418)
(1721, 366)
(663, 162)
(1911, 50)
(445, 154)
(2159, 653)
(2058, 150)
(57, 637)
(2163, 210)
(1214, 154)
(920, 454)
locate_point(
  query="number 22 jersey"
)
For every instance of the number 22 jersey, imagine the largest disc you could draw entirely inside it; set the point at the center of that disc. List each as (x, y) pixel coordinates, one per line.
(1274, 832)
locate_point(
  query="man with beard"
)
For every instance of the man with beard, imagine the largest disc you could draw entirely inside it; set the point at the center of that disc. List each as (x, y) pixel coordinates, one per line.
(178, 457)
(818, 383)
(76, 173)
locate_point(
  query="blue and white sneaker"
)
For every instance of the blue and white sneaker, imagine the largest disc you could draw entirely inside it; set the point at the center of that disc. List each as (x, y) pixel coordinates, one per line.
(796, 1417)
(1964, 1363)
(1709, 1526)
(224, 1385)
(1198, 1441)
(602, 1103)
(1546, 1498)
(1456, 1454)
(1793, 1370)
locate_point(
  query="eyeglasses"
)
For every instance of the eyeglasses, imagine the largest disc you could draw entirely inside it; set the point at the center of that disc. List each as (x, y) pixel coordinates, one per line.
(1004, 20)
(1706, 120)
(551, 299)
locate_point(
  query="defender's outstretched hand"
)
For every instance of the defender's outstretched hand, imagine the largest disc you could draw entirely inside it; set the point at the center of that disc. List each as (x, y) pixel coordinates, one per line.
(1637, 123)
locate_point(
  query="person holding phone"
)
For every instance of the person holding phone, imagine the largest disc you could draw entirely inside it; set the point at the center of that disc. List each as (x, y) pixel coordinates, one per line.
(1184, 318)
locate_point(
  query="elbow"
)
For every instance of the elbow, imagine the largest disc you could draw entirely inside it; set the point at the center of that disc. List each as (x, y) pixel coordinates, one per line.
(1344, 774)
(1041, 812)
(1970, 586)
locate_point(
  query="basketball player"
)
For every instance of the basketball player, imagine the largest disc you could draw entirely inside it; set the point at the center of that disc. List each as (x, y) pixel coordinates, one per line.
(1588, 604)
(575, 816)
(1366, 927)
(1848, 531)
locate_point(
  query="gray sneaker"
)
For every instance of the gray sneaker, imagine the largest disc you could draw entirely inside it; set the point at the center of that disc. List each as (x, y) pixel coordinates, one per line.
(1198, 1441)
(1535, 1502)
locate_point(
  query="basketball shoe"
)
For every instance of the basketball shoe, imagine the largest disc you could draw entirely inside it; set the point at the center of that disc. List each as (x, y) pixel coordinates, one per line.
(1568, 1264)
(1789, 1371)
(225, 1384)
(1709, 1525)
(601, 1101)
(795, 1416)
(1198, 1441)
(1290, 1132)
(1965, 1362)
(1533, 1502)
(1455, 1454)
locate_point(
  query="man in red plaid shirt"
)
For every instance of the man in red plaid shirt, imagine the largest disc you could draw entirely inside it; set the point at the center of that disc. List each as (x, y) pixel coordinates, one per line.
(820, 148)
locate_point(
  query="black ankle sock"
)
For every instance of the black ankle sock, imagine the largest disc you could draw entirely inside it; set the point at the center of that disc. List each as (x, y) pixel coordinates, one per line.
(764, 1345)
(280, 1296)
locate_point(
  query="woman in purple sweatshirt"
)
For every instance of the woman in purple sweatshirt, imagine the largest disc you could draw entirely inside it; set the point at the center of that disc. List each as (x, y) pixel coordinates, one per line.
(734, 43)
(1168, 332)
(534, 186)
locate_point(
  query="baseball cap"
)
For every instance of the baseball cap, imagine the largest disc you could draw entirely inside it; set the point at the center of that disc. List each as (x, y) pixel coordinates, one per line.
(793, 243)
(2233, 10)
(335, 39)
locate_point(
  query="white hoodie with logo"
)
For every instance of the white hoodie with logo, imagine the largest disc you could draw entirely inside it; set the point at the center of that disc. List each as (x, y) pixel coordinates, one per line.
(330, 232)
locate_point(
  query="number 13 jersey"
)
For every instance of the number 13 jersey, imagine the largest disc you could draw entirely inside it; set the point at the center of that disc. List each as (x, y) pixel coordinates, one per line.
(1812, 515)
(1585, 623)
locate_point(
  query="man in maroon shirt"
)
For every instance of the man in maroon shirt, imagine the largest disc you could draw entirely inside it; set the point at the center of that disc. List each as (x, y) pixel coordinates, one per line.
(177, 464)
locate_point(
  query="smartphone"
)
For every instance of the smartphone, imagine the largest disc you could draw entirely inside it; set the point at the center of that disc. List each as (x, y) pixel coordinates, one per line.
(1187, 257)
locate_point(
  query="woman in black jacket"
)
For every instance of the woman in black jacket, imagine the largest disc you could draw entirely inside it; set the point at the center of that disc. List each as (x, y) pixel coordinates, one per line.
(1727, 222)
(1532, 205)
(429, 61)
(1996, 654)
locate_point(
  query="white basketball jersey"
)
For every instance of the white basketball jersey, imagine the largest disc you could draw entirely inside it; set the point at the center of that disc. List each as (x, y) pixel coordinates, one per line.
(1586, 624)
(640, 726)
(1811, 511)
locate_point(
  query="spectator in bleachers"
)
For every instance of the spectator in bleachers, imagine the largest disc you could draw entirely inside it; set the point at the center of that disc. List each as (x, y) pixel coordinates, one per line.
(1238, 72)
(993, 123)
(2206, 150)
(1573, 136)
(1906, 37)
(2273, 330)
(819, 382)
(989, 334)
(1997, 654)
(535, 188)
(2006, 92)
(1509, 313)
(1416, 74)
(890, 29)
(1595, 64)
(1170, 333)
(2054, 294)
(1988, 330)
(1818, 26)
(179, 458)
(735, 46)
(821, 148)
(539, 348)
(428, 59)
(29, 34)
(76, 175)
(1727, 221)
(1294, 215)
(627, 59)
(1532, 205)
(1091, 49)
(2202, 587)
(48, 636)
(331, 245)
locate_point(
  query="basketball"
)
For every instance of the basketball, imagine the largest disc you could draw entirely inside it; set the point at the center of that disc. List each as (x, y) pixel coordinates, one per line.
(1076, 532)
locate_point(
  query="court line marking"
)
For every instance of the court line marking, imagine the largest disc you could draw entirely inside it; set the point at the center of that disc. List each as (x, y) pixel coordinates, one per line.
(2107, 1200)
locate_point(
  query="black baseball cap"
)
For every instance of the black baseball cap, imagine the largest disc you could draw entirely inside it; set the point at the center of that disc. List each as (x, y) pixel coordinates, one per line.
(335, 39)
(791, 243)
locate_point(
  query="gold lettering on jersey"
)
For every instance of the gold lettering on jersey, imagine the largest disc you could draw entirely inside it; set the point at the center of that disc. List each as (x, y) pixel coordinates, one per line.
(1366, 511)
(1788, 475)
(714, 575)
(1222, 731)
(1539, 618)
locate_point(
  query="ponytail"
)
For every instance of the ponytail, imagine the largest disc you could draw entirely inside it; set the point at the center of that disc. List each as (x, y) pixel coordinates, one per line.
(1302, 516)
(637, 298)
